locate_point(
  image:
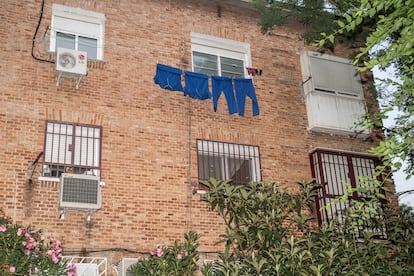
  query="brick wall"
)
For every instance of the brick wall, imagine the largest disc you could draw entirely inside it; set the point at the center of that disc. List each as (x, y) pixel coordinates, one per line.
(149, 134)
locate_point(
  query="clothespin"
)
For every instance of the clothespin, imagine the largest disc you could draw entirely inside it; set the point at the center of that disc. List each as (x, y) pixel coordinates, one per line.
(253, 71)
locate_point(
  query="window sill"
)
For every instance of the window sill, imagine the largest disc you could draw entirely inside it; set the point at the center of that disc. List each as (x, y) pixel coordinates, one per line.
(201, 191)
(49, 179)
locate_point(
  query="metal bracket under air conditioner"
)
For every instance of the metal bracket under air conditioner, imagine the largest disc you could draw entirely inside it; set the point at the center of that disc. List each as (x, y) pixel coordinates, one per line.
(77, 79)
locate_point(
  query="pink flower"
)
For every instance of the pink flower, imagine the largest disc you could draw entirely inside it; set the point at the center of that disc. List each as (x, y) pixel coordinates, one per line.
(152, 252)
(159, 252)
(179, 256)
(3, 228)
(12, 269)
(55, 259)
(20, 231)
(140, 258)
(72, 269)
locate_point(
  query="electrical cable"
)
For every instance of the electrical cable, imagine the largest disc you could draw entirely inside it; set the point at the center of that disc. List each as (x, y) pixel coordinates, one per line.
(35, 35)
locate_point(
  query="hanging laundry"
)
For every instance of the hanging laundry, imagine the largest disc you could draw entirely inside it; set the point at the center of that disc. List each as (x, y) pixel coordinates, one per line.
(168, 77)
(196, 85)
(243, 88)
(225, 85)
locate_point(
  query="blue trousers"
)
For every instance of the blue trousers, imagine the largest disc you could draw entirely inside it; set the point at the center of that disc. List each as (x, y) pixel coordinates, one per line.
(243, 88)
(196, 85)
(225, 85)
(168, 77)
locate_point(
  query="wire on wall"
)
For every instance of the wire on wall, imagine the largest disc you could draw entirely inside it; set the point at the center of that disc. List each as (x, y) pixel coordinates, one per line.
(35, 35)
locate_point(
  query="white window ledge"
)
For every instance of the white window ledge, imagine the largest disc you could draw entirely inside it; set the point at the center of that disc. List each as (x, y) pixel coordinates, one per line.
(49, 179)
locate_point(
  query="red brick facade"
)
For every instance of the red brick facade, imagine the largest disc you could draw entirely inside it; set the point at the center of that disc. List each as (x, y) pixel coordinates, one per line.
(149, 160)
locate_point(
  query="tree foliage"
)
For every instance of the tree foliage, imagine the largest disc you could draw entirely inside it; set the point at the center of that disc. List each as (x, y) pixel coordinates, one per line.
(385, 30)
(178, 259)
(317, 16)
(270, 231)
(389, 43)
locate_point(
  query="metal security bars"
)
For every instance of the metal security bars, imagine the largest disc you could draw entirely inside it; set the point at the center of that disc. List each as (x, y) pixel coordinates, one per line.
(333, 170)
(71, 147)
(227, 161)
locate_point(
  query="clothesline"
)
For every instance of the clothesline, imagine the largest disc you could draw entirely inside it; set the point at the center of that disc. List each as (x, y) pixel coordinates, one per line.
(259, 77)
(196, 86)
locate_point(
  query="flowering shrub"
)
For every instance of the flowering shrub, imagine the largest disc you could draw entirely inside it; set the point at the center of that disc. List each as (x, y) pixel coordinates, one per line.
(179, 259)
(24, 251)
(270, 231)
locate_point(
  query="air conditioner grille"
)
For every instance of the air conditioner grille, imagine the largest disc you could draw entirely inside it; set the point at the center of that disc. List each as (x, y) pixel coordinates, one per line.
(80, 190)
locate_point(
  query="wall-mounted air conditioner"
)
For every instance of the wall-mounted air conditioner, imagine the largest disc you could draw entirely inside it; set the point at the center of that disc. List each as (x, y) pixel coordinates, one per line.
(87, 269)
(78, 191)
(124, 265)
(71, 64)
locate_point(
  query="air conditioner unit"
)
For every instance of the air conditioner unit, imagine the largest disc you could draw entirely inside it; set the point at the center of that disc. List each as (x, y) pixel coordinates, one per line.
(86, 269)
(124, 265)
(71, 64)
(78, 191)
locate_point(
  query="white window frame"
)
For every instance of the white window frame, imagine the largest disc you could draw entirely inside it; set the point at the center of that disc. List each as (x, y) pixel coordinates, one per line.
(226, 151)
(78, 22)
(334, 102)
(221, 47)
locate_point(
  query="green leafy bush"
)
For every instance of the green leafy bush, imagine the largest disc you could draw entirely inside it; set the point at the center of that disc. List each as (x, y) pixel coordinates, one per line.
(180, 259)
(270, 231)
(25, 251)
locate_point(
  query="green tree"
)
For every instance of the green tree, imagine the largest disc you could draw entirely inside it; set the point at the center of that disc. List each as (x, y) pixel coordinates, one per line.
(384, 32)
(317, 16)
(270, 231)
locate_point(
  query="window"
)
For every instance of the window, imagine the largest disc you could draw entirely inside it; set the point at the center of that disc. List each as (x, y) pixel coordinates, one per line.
(77, 29)
(219, 57)
(71, 147)
(334, 95)
(227, 161)
(332, 170)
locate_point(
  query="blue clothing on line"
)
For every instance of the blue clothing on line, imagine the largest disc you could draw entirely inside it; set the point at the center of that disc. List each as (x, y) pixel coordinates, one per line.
(168, 77)
(244, 87)
(224, 84)
(196, 85)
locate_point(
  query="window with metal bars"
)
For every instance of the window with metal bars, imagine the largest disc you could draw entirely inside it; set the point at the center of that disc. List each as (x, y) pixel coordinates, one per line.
(332, 169)
(227, 161)
(70, 147)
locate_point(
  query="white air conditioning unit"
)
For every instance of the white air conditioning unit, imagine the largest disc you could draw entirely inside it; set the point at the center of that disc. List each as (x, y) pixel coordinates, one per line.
(71, 64)
(79, 191)
(86, 269)
(124, 265)
(71, 61)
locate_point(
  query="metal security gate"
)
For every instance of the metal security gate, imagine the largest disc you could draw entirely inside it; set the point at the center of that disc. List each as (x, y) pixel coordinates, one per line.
(332, 170)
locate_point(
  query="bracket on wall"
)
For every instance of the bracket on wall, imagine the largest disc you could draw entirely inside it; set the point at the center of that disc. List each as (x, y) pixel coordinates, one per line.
(305, 81)
(77, 79)
(32, 167)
